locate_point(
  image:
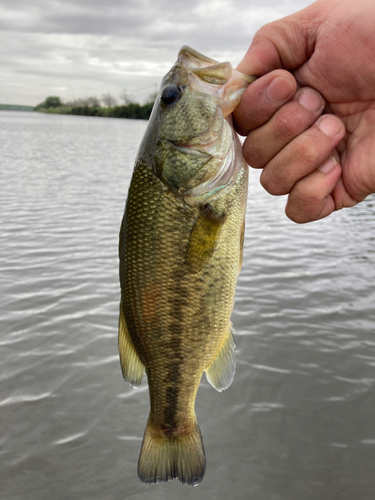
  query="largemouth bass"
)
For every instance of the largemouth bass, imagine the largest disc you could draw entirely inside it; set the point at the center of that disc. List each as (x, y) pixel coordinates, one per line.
(180, 254)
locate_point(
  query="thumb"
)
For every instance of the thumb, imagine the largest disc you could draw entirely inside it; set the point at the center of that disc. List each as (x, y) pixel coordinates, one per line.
(283, 44)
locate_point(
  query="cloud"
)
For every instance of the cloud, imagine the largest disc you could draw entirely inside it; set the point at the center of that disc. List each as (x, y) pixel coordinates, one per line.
(89, 47)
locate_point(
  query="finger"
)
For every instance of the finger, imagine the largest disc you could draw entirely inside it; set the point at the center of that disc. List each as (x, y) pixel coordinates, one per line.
(262, 99)
(296, 116)
(261, 57)
(311, 198)
(342, 198)
(302, 155)
(286, 43)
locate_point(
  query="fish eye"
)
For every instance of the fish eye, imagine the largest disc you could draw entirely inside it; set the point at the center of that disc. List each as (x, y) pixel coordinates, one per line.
(170, 95)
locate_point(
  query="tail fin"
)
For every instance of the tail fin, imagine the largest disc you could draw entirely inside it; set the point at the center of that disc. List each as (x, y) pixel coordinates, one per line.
(165, 457)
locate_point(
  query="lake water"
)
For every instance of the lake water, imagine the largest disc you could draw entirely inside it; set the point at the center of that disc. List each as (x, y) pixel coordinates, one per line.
(297, 422)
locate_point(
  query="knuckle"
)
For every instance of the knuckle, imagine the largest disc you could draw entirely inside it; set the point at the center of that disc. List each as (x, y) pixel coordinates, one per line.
(285, 128)
(254, 155)
(263, 33)
(240, 126)
(304, 191)
(296, 214)
(301, 210)
(305, 203)
(266, 32)
(306, 150)
(272, 184)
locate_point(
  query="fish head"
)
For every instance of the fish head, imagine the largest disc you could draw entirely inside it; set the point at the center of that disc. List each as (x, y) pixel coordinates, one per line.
(196, 146)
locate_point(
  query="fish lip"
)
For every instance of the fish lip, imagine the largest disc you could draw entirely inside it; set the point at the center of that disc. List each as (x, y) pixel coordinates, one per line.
(189, 51)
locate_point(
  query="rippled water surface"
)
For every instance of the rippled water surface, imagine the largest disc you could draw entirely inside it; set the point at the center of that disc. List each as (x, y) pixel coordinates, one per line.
(297, 422)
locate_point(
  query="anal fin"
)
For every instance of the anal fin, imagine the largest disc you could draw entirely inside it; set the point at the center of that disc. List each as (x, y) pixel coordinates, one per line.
(220, 372)
(131, 366)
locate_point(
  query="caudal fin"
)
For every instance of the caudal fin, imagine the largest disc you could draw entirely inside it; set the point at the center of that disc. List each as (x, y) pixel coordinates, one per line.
(164, 457)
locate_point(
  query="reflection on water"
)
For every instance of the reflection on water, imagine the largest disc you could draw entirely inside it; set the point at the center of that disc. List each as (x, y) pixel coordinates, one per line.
(298, 420)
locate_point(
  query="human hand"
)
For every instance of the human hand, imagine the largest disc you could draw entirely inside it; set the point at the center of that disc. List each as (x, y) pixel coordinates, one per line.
(324, 162)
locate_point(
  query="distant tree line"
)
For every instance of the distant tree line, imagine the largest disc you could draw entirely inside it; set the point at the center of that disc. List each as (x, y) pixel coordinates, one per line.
(92, 106)
(16, 107)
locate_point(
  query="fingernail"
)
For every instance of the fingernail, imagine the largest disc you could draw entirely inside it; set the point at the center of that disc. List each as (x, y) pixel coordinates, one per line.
(279, 89)
(311, 100)
(329, 125)
(328, 165)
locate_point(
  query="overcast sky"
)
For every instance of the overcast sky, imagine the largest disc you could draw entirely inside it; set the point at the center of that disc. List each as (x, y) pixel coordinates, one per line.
(82, 48)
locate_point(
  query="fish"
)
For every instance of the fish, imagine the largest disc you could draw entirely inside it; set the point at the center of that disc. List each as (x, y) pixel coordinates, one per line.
(180, 252)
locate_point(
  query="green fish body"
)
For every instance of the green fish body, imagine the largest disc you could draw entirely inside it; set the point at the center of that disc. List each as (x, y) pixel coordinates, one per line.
(180, 254)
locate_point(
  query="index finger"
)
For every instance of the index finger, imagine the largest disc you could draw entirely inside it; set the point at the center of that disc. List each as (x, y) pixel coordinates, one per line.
(261, 57)
(286, 43)
(262, 99)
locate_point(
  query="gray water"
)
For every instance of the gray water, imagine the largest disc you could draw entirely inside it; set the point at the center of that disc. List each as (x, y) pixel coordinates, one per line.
(297, 422)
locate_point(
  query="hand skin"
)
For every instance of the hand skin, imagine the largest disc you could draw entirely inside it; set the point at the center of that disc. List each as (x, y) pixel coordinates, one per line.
(310, 117)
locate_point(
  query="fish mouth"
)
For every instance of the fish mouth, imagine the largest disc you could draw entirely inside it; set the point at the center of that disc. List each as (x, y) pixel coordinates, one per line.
(212, 77)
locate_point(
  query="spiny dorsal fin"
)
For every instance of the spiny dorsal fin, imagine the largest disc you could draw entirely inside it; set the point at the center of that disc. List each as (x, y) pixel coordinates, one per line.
(131, 366)
(220, 372)
(203, 238)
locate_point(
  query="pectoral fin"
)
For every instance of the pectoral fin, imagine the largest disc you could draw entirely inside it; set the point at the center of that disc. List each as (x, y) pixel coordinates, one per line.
(220, 372)
(131, 366)
(203, 238)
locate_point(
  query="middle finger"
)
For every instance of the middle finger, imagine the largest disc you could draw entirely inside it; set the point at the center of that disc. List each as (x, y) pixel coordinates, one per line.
(296, 116)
